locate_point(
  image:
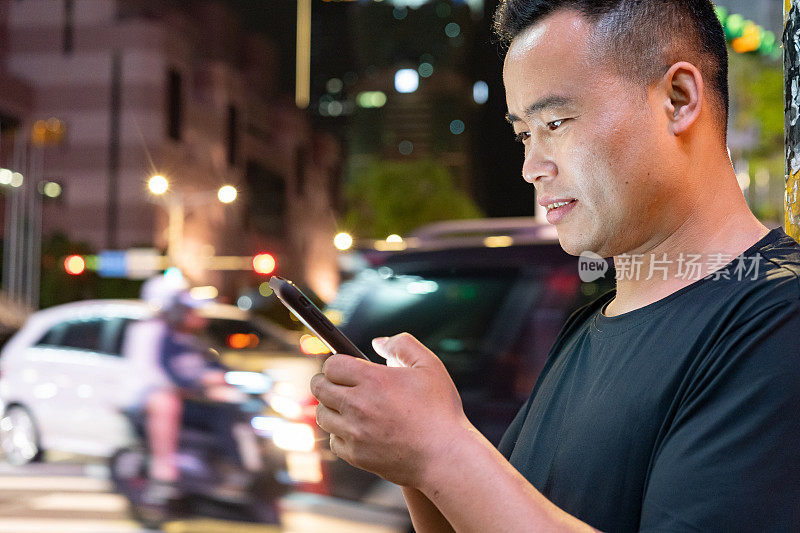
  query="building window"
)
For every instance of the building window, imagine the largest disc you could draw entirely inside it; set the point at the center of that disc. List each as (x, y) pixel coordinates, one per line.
(266, 200)
(69, 25)
(233, 140)
(174, 105)
(300, 170)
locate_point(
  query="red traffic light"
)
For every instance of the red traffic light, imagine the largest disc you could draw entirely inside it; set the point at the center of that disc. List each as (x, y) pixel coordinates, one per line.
(75, 265)
(264, 264)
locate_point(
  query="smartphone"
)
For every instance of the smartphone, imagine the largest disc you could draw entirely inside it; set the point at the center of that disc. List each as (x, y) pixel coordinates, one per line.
(299, 304)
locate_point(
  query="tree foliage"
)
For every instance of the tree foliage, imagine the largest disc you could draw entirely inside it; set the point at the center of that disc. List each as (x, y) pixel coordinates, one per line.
(389, 197)
(757, 92)
(756, 86)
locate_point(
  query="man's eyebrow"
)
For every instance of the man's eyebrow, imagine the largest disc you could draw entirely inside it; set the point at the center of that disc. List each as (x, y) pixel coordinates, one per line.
(548, 102)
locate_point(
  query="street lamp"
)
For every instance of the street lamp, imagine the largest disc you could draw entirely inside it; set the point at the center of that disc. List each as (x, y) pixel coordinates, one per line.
(227, 194)
(158, 185)
(343, 241)
(176, 203)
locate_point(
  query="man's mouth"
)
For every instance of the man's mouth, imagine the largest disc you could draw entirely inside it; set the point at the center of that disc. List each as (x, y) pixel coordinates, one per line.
(558, 204)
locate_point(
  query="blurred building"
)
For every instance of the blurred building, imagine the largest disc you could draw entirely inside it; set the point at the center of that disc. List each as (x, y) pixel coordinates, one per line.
(409, 79)
(408, 95)
(176, 88)
(16, 97)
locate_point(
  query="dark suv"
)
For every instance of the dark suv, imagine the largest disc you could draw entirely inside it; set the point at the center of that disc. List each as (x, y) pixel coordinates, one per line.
(490, 306)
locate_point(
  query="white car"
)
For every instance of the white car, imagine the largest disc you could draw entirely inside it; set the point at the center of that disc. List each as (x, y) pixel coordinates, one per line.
(68, 373)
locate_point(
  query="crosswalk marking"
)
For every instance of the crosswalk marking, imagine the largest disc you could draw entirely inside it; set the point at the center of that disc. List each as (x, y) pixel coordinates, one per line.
(305, 522)
(113, 503)
(61, 525)
(54, 483)
(215, 526)
(66, 501)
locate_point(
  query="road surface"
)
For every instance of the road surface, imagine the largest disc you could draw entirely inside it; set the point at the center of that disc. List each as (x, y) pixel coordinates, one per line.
(69, 496)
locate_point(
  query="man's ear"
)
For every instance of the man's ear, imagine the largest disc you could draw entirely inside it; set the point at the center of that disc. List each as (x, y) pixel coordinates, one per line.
(683, 85)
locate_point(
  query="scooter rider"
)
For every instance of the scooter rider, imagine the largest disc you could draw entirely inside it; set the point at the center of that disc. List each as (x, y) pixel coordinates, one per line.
(190, 372)
(172, 364)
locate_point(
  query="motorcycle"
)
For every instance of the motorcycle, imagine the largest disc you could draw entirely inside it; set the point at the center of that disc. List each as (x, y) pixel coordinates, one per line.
(217, 444)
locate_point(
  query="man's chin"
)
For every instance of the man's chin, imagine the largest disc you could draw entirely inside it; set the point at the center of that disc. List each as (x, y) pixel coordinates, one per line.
(576, 244)
(570, 244)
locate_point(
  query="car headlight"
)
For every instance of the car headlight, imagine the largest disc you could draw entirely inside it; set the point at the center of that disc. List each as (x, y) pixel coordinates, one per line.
(248, 382)
(288, 407)
(294, 436)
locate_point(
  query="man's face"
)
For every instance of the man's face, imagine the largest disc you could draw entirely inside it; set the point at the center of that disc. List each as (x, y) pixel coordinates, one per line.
(589, 134)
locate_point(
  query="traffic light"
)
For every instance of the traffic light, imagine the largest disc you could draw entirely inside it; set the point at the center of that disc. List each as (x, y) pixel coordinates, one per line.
(264, 264)
(75, 265)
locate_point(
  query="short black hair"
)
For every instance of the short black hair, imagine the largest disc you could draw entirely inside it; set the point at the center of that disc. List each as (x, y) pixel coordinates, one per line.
(644, 37)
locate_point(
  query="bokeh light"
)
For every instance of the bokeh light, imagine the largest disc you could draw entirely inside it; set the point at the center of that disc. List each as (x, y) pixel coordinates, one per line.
(425, 69)
(406, 80)
(158, 184)
(227, 194)
(343, 241)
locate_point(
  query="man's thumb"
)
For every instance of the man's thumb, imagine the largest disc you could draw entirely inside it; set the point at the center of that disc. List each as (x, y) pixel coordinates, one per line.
(402, 350)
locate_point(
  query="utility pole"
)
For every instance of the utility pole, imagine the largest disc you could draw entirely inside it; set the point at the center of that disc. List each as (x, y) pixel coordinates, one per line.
(303, 54)
(791, 72)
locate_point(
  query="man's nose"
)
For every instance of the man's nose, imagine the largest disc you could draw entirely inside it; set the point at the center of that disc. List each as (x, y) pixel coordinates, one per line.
(538, 168)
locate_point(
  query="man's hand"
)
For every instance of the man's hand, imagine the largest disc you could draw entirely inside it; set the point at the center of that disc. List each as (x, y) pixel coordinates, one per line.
(395, 421)
(405, 423)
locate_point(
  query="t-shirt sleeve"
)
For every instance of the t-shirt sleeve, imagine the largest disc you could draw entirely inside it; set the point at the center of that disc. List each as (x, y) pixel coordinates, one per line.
(730, 459)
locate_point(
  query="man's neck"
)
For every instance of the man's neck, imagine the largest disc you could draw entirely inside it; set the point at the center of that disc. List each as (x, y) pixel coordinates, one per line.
(704, 243)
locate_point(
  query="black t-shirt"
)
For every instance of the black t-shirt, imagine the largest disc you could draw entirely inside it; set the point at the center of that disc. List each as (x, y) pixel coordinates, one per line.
(683, 415)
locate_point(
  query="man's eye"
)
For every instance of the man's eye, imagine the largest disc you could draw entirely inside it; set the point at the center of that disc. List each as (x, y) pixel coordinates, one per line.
(554, 125)
(521, 136)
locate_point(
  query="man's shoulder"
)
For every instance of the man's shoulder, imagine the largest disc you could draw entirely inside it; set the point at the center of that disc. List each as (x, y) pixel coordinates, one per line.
(775, 269)
(780, 258)
(756, 302)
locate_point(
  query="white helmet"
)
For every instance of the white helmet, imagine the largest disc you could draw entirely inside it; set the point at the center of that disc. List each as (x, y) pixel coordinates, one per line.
(160, 291)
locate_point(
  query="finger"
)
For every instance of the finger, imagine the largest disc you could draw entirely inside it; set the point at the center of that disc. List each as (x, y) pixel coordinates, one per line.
(337, 446)
(330, 421)
(346, 370)
(379, 346)
(329, 394)
(404, 350)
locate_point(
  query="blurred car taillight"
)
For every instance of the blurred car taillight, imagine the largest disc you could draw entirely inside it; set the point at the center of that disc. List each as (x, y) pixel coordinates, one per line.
(240, 341)
(309, 411)
(563, 283)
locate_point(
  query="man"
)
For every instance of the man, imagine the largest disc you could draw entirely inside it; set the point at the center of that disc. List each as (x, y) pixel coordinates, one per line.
(670, 404)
